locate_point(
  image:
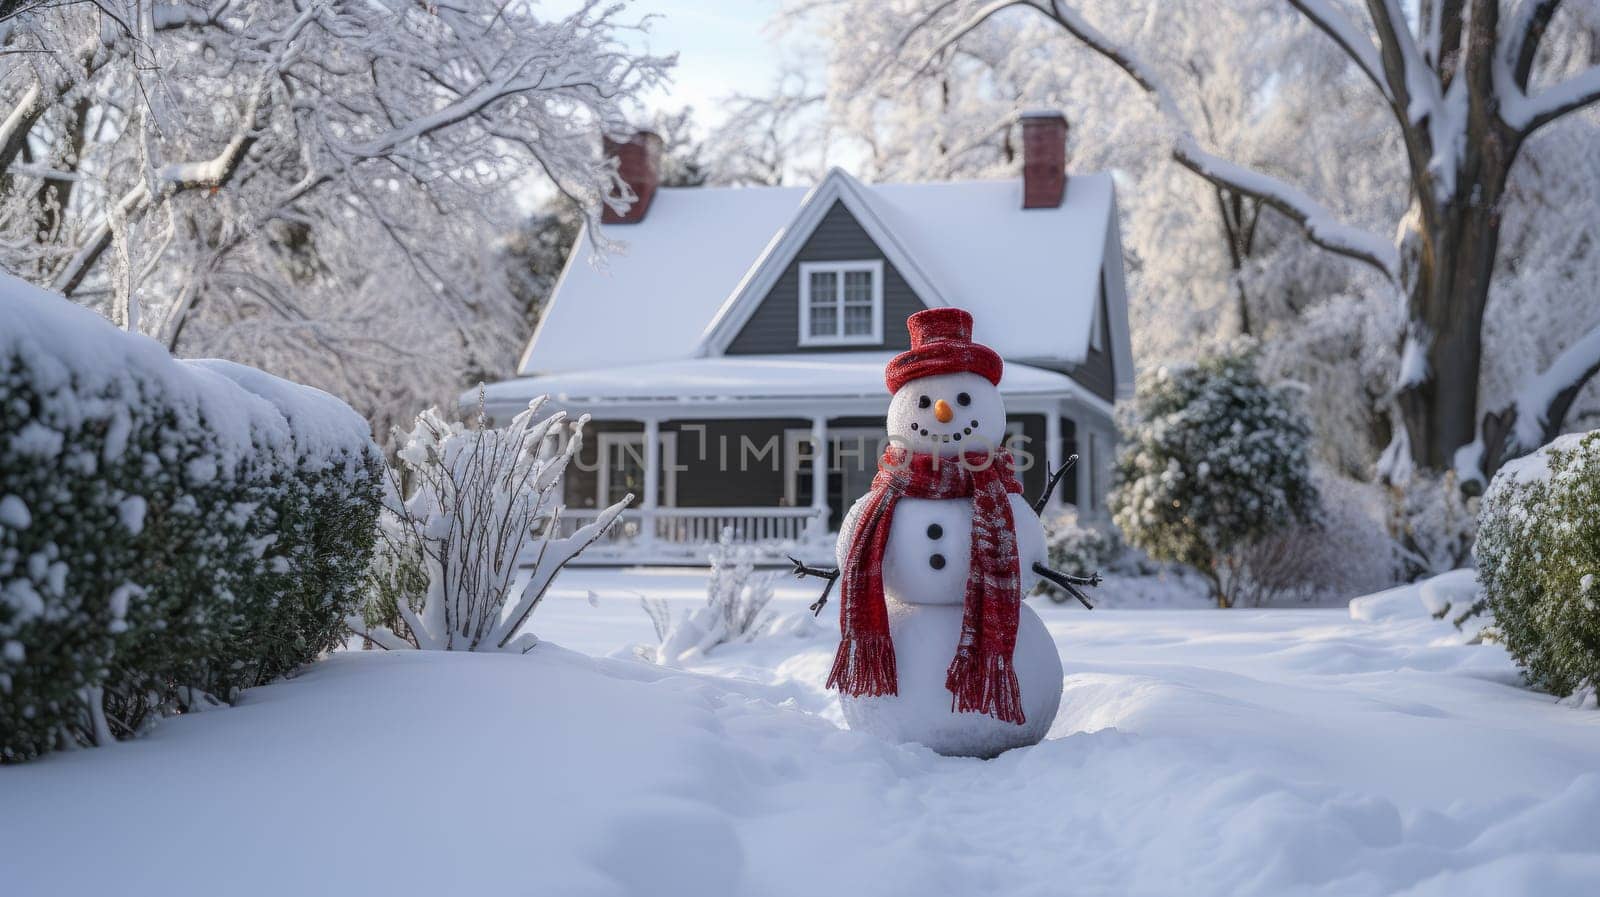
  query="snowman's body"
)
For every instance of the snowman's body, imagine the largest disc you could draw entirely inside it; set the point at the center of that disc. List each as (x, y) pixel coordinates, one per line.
(926, 562)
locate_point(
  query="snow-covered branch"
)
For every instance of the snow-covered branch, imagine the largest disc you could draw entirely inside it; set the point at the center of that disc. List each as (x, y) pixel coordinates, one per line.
(1529, 114)
(1352, 40)
(1411, 80)
(1520, 38)
(1537, 412)
(1517, 49)
(486, 502)
(1319, 225)
(296, 182)
(36, 100)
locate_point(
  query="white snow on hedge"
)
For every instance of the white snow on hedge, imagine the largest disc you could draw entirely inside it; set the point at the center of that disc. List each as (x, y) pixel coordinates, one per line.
(1197, 752)
(64, 343)
(323, 426)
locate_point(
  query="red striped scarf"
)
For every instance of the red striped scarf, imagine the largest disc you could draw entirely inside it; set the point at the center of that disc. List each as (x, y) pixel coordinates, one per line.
(981, 678)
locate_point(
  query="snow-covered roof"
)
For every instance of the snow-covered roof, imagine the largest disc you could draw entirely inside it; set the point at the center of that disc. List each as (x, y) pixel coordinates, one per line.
(1030, 277)
(819, 380)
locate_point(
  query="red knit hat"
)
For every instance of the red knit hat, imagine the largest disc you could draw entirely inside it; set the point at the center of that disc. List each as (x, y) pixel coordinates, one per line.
(941, 343)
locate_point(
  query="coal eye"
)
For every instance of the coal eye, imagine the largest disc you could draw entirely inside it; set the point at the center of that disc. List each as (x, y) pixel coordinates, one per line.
(964, 399)
(924, 402)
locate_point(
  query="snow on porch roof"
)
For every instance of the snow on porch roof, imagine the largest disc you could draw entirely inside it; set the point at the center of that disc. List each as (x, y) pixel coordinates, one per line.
(734, 379)
(1030, 277)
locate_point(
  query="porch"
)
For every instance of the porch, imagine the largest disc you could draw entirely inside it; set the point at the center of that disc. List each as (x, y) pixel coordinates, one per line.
(734, 444)
(659, 536)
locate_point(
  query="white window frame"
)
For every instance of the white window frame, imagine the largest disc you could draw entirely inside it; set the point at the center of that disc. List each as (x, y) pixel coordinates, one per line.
(1097, 464)
(668, 473)
(839, 269)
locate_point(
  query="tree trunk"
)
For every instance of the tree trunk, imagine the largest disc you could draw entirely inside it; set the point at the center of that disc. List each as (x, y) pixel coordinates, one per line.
(1448, 260)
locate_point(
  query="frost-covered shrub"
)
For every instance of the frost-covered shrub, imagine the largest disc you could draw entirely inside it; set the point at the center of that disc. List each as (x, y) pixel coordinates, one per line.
(313, 533)
(1435, 522)
(486, 501)
(1538, 556)
(735, 609)
(397, 575)
(167, 535)
(1344, 553)
(1213, 459)
(1078, 549)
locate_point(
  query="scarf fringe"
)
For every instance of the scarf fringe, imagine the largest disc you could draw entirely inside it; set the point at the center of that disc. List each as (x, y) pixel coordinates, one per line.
(864, 666)
(985, 683)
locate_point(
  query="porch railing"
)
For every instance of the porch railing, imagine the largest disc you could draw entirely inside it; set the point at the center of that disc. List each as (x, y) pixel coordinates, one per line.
(663, 533)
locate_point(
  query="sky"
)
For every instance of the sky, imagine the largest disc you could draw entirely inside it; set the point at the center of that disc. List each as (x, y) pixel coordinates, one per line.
(722, 47)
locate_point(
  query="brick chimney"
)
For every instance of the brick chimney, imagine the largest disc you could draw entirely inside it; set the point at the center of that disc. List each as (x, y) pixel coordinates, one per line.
(1044, 159)
(639, 165)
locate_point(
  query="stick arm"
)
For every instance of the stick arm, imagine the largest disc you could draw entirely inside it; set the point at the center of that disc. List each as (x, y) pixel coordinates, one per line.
(831, 574)
(1068, 582)
(1050, 484)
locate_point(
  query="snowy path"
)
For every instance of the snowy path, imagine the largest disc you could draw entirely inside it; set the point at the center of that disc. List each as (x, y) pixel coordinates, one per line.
(1197, 752)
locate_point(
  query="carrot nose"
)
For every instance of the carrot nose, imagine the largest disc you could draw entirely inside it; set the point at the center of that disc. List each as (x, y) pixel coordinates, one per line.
(941, 410)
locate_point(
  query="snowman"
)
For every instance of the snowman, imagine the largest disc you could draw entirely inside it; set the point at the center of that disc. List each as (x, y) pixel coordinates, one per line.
(937, 646)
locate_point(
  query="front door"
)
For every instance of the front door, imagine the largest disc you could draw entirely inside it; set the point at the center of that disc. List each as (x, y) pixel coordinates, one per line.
(854, 455)
(622, 469)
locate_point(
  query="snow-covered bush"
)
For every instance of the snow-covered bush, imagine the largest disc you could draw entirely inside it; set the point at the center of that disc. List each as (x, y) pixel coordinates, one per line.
(735, 609)
(1213, 459)
(398, 575)
(1078, 549)
(170, 532)
(1345, 553)
(1435, 522)
(1538, 556)
(486, 501)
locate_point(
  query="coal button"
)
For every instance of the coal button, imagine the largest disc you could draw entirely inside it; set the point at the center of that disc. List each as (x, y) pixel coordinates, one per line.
(935, 531)
(936, 562)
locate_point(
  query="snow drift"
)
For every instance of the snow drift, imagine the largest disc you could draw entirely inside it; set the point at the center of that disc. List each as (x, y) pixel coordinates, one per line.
(1199, 753)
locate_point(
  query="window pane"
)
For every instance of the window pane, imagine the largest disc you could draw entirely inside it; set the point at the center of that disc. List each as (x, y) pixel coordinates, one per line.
(824, 320)
(858, 286)
(626, 460)
(857, 320)
(824, 287)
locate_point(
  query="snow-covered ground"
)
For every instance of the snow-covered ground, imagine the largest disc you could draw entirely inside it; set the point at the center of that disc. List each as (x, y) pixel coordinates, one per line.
(1197, 752)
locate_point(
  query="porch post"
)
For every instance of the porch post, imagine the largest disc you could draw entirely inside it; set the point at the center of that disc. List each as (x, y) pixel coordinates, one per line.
(1087, 447)
(819, 477)
(1052, 454)
(652, 480)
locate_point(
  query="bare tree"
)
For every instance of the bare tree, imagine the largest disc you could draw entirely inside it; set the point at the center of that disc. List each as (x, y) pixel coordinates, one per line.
(1461, 88)
(768, 139)
(311, 185)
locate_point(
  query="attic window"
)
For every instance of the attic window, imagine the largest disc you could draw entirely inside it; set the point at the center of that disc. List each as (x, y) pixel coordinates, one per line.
(841, 303)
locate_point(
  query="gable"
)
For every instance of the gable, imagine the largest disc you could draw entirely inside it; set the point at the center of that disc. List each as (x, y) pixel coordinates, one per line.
(1098, 372)
(649, 299)
(774, 324)
(685, 280)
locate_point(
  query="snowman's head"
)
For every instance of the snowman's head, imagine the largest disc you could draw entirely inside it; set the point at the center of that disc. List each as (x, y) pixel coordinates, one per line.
(948, 414)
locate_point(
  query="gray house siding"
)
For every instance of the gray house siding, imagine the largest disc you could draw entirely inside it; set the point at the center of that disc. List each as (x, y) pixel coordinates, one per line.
(731, 463)
(775, 325)
(581, 480)
(1069, 438)
(1033, 461)
(1096, 373)
(720, 463)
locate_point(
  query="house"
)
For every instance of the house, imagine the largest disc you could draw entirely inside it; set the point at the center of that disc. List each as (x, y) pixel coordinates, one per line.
(742, 328)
